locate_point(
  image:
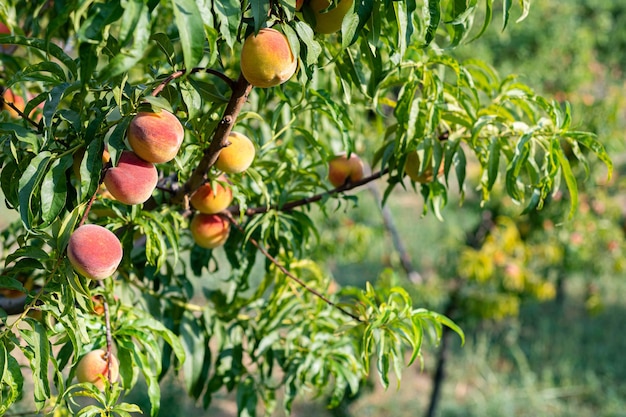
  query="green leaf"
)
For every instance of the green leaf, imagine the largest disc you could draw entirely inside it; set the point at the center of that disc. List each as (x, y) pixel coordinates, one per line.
(38, 354)
(47, 48)
(190, 30)
(129, 57)
(228, 13)
(54, 189)
(260, 10)
(29, 183)
(433, 19)
(570, 179)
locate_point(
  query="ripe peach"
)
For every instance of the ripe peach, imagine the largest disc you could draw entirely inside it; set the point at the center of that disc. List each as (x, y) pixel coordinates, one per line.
(94, 252)
(329, 22)
(299, 4)
(209, 230)
(94, 367)
(207, 200)
(16, 100)
(4, 29)
(412, 169)
(342, 169)
(155, 137)
(237, 156)
(132, 180)
(266, 59)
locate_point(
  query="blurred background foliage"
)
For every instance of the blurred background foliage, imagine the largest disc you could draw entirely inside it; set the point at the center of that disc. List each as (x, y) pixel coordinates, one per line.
(538, 295)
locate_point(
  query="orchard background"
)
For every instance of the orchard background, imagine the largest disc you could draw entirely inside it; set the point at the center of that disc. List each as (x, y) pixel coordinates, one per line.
(519, 241)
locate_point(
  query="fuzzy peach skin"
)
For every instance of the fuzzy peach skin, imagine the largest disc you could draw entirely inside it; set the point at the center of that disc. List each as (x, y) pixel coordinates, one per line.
(132, 180)
(208, 200)
(329, 22)
(16, 100)
(155, 137)
(342, 169)
(237, 156)
(209, 230)
(94, 251)
(266, 59)
(93, 368)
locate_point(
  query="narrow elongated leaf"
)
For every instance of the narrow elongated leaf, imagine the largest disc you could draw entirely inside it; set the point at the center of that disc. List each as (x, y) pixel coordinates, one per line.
(29, 184)
(190, 30)
(54, 188)
(46, 47)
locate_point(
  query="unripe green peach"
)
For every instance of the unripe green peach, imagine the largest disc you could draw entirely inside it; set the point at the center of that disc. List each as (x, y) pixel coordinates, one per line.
(209, 230)
(94, 251)
(155, 137)
(94, 367)
(329, 22)
(132, 180)
(266, 59)
(17, 101)
(342, 169)
(412, 168)
(208, 200)
(237, 156)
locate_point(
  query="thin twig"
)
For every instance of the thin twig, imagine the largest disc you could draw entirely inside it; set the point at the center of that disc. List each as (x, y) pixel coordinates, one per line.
(180, 73)
(405, 259)
(20, 112)
(290, 275)
(109, 338)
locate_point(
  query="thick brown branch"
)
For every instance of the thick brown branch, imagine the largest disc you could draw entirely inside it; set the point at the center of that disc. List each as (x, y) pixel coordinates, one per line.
(292, 276)
(308, 200)
(220, 139)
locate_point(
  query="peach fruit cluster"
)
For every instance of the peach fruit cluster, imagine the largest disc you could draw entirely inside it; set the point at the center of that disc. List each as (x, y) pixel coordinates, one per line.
(209, 228)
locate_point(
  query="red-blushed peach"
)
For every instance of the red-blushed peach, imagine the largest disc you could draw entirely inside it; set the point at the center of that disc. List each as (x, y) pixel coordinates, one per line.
(208, 200)
(132, 180)
(4, 29)
(94, 367)
(209, 230)
(155, 137)
(94, 251)
(412, 169)
(299, 4)
(266, 59)
(237, 156)
(342, 169)
(17, 101)
(329, 22)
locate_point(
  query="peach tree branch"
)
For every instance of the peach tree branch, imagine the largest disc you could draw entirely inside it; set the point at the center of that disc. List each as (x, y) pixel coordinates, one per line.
(308, 200)
(219, 141)
(285, 271)
(229, 81)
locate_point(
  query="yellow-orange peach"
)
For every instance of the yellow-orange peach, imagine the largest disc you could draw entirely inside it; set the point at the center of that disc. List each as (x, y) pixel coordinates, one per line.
(330, 21)
(412, 169)
(237, 156)
(132, 180)
(155, 137)
(266, 59)
(94, 251)
(94, 367)
(342, 169)
(208, 200)
(17, 101)
(209, 230)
